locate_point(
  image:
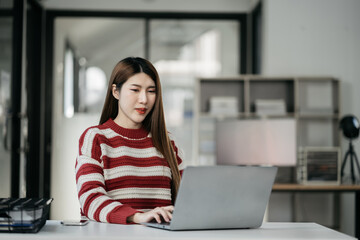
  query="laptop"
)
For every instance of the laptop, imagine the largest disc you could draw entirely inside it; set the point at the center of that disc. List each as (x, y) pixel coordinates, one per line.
(221, 197)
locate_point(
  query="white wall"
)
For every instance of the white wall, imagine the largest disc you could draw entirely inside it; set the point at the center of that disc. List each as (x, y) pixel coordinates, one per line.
(317, 37)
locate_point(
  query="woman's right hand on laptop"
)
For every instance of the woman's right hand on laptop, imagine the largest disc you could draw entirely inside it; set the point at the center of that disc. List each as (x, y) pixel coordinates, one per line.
(158, 214)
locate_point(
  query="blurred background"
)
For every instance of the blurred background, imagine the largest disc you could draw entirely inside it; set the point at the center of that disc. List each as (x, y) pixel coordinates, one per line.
(56, 58)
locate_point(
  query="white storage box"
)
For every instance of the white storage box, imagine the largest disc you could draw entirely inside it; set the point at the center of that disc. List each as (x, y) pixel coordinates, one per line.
(224, 105)
(270, 106)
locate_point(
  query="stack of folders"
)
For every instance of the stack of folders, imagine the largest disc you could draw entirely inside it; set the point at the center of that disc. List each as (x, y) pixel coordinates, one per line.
(26, 215)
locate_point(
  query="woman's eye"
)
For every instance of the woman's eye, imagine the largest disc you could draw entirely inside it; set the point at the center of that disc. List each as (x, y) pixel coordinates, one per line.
(134, 90)
(152, 91)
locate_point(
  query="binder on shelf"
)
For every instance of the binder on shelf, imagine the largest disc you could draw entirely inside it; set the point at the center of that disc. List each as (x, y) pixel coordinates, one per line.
(23, 215)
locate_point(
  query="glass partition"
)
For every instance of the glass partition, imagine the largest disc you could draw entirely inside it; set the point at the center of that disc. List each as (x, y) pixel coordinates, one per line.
(6, 46)
(89, 48)
(182, 51)
(85, 52)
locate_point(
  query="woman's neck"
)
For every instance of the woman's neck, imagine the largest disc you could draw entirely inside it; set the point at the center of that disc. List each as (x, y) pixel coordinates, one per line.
(127, 124)
(130, 133)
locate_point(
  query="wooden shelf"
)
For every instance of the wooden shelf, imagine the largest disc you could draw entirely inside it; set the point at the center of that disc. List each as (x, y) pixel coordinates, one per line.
(292, 187)
(312, 101)
(318, 116)
(221, 116)
(244, 115)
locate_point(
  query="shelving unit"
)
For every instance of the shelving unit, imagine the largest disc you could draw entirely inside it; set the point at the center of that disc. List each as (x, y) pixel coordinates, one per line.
(314, 102)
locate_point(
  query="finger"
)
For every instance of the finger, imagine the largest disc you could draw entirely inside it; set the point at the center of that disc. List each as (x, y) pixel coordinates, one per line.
(164, 214)
(170, 215)
(156, 217)
(169, 208)
(169, 212)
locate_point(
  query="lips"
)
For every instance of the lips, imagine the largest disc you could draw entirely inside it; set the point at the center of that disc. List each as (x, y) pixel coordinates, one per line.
(141, 110)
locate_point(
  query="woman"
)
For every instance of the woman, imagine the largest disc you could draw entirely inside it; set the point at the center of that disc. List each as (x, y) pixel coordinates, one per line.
(128, 170)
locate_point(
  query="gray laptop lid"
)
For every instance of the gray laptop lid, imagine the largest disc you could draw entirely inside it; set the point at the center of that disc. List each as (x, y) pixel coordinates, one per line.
(221, 197)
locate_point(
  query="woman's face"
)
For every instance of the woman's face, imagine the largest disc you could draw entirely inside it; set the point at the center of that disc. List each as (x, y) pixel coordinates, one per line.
(136, 99)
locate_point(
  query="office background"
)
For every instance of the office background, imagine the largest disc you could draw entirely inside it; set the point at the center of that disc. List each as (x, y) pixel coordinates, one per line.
(311, 38)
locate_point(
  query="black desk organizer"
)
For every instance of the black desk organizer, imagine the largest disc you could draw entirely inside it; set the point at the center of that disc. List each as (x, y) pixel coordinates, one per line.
(23, 215)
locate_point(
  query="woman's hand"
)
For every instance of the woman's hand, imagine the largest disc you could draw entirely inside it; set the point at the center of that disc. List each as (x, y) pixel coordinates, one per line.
(157, 214)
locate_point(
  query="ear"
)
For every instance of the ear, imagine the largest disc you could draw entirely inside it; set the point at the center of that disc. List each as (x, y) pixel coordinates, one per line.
(115, 92)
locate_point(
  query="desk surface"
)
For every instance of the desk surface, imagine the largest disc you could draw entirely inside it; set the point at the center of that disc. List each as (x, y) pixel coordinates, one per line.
(53, 230)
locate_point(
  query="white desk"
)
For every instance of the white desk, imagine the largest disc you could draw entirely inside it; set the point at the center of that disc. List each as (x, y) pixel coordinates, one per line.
(53, 230)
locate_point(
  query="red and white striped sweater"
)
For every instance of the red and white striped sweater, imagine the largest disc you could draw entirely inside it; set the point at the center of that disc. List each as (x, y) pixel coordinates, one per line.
(119, 172)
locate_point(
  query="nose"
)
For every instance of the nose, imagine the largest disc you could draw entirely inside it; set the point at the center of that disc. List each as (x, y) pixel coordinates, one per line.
(143, 97)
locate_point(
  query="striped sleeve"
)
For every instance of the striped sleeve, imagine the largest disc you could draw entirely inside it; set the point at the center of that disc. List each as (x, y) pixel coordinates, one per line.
(94, 200)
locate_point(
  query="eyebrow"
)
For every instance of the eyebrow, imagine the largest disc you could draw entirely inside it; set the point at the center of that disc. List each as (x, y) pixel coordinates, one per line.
(139, 86)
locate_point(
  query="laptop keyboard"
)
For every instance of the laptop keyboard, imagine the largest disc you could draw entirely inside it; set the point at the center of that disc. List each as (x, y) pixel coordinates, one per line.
(165, 223)
(162, 223)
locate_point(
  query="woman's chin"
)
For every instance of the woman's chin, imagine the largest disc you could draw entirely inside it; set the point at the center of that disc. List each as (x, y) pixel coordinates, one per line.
(138, 119)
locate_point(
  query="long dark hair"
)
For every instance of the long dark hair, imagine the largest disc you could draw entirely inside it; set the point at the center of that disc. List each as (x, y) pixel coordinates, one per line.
(154, 121)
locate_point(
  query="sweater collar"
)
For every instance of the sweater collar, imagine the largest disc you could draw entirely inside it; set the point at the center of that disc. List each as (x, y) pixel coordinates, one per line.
(126, 132)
